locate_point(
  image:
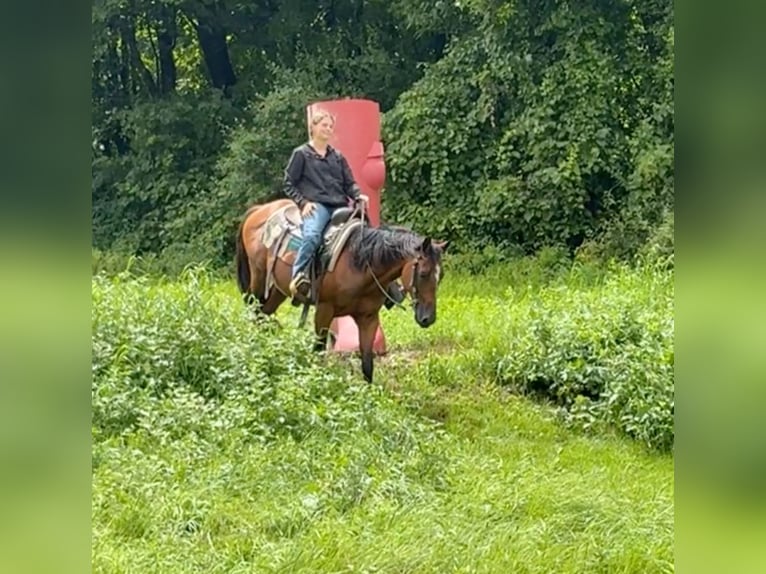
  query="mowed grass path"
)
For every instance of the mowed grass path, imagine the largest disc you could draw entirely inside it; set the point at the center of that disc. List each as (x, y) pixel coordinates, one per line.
(497, 484)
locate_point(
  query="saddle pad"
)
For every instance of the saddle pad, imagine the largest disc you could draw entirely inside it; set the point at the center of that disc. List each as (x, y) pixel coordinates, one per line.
(335, 246)
(282, 235)
(287, 218)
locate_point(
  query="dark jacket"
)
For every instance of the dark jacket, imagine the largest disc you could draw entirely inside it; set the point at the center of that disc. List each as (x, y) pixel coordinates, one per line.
(311, 177)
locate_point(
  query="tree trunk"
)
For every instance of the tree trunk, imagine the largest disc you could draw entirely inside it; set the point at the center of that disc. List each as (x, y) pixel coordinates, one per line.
(145, 79)
(167, 33)
(212, 41)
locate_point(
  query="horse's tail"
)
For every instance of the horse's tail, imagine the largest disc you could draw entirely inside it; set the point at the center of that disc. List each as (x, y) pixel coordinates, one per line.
(241, 262)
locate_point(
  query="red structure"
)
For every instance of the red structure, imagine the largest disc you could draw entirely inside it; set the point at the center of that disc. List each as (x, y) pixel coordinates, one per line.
(357, 136)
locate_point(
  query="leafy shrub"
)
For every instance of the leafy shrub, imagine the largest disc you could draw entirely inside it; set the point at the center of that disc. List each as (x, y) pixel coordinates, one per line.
(661, 245)
(567, 137)
(173, 359)
(603, 354)
(595, 341)
(153, 194)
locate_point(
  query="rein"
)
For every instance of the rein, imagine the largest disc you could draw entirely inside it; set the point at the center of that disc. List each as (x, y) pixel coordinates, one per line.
(383, 290)
(412, 288)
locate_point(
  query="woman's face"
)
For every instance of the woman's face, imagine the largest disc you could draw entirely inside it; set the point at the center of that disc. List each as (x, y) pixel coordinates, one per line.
(323, 129)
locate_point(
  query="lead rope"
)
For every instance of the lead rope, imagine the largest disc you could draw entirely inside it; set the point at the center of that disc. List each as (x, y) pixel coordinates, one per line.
(360, 209)
(383, 290)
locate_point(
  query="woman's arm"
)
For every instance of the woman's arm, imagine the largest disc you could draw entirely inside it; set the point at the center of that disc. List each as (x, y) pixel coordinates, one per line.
(293, 173)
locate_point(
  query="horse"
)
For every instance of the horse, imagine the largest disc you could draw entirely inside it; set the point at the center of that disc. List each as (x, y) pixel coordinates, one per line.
(369, 259)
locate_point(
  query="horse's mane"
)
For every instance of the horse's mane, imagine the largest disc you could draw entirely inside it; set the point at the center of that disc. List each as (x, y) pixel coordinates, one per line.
(381, 246)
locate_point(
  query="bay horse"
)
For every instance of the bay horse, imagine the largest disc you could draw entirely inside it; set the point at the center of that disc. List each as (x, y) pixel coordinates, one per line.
(371, 258)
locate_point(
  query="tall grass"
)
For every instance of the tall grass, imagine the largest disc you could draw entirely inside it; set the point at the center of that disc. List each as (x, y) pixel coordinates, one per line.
(597, 343)
(222, 446)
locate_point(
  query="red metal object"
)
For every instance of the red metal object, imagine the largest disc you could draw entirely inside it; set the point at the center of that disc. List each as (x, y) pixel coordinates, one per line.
(357, 136)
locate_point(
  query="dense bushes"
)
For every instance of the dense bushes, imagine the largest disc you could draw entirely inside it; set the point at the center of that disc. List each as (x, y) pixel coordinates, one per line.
(509, 127)
(151, 193)
(596, 342)
(183, 358)
(553, 128)
(604, 354)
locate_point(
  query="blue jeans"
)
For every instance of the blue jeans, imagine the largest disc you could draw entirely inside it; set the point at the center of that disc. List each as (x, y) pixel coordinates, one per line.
(312, 228)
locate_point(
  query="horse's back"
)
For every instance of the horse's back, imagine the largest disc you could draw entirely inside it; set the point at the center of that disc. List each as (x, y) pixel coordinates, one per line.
(257, 215)
(252, 226)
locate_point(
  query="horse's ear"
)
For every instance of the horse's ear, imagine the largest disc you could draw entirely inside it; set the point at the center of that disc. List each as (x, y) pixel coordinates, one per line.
(425, 247)
(441, 245)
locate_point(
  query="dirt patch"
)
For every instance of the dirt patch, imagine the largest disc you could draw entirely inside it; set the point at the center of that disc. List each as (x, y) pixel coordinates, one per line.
(410, 355)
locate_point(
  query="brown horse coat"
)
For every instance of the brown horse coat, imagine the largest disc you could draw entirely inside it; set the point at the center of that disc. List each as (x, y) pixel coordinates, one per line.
(371, 259)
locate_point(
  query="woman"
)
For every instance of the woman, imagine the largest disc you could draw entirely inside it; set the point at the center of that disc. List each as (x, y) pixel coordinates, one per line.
(319, 179)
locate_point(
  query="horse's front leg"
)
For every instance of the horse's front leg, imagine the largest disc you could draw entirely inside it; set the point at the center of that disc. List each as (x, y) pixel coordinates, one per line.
(323, 316)
(368, 326)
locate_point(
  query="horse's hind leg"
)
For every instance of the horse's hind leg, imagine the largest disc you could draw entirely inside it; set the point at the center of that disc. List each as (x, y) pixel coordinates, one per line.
(272, 302)
(323, 315)
(258, 282)
(263, 311)
(257, 285)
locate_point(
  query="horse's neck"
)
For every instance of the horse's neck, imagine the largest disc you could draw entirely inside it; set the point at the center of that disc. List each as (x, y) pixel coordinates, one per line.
(390, 272)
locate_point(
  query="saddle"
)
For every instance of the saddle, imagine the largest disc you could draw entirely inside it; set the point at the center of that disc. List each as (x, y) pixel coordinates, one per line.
(282, 235)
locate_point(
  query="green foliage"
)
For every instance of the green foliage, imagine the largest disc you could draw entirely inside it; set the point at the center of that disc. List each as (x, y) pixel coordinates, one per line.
(542, 125)
(508, 126)
(596, 342)
(223, 445)
(152, 198)
(185, 348)
(605, 355)
(661, 245)
(170, 264)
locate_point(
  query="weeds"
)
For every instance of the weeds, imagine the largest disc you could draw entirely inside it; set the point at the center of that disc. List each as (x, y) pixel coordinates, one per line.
(220, 446)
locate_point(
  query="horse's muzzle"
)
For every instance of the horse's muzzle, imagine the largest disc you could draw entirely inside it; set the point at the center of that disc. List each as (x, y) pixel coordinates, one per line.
(425, 318)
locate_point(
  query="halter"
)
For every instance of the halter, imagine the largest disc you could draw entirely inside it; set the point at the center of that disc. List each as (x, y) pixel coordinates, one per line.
(413, 286)
(414, 280)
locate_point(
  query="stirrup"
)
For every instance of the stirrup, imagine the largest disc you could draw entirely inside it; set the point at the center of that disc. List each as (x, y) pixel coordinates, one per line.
(300, 285)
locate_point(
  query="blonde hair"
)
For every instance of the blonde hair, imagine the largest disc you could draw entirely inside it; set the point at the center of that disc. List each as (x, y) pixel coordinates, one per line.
(317, 116)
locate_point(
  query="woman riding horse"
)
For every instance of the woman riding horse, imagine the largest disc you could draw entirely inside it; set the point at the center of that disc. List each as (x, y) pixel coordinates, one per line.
(371, 258)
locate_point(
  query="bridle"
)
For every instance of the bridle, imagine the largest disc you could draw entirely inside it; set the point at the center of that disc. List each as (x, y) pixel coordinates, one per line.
(414, 280)
(412, 287)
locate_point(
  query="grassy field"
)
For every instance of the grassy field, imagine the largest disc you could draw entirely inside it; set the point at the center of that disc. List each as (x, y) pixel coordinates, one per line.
(527, 431)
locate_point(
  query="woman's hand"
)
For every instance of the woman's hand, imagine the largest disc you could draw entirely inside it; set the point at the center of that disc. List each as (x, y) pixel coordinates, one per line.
(361, 202)
(308, 208)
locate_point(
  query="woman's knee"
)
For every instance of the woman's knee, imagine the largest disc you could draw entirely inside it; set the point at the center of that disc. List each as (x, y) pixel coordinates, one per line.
(312, 230)
(312, 235)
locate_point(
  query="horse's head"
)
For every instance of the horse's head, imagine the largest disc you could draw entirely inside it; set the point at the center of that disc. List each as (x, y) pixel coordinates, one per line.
(421, 278)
